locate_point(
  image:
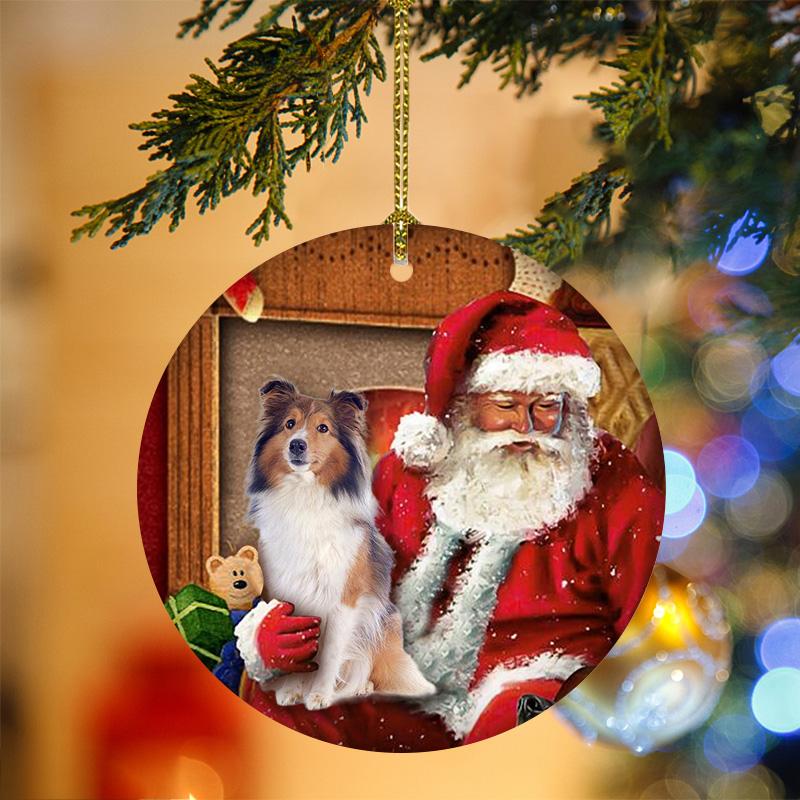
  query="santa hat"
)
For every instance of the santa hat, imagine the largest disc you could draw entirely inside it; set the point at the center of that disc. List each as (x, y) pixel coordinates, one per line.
(502, 342)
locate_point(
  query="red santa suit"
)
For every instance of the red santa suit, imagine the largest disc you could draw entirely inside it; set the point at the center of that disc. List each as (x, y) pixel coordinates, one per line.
(491, 616)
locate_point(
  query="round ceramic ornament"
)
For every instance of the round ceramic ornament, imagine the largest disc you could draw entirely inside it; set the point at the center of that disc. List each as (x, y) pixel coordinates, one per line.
(401, 516)
(401, 488)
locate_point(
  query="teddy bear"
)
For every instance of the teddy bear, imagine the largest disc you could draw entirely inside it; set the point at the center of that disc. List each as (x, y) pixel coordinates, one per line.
(237, 579)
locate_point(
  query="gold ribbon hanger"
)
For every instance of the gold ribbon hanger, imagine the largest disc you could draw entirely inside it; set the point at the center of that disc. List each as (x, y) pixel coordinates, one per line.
(401, 218)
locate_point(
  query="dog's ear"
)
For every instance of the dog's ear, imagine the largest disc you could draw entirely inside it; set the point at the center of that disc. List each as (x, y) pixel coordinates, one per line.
(354, 399)
(277, 394)
(349, 408)
(277, 386)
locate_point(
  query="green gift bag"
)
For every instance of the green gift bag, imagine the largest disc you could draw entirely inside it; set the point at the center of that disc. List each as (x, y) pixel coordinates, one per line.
(203, 619)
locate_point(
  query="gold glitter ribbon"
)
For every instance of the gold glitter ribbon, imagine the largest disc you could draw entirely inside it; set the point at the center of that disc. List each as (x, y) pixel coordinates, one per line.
(401, 218)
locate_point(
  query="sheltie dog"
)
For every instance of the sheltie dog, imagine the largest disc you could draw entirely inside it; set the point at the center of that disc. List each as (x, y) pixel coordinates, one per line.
(311, 499)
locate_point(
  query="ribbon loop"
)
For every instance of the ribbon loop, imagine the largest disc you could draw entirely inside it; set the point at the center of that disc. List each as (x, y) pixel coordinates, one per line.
(401, 218)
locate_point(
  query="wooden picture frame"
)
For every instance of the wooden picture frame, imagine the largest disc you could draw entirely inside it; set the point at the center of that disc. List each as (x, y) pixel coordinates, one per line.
(343, 279)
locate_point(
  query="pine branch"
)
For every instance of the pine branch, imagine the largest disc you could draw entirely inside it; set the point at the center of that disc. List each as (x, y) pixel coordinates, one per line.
(236, 10)
(570, 219)
(279, 97)
(518, 39)
(657, 69)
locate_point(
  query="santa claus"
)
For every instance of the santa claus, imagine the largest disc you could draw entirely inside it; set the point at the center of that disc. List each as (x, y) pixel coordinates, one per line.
(523, 535)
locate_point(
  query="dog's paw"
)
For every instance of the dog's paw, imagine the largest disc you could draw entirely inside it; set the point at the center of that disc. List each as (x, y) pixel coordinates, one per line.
(289, 696)
(366, 689)
(317, 700)
(427, 690)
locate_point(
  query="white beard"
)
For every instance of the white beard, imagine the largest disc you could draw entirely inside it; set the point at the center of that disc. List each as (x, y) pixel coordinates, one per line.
(484, 488)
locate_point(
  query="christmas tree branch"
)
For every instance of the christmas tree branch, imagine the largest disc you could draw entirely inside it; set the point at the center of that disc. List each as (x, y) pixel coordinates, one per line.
(288, 94)
(279, 97)
(518, 39)
(210, 8)
(571, 218)
(657, 67)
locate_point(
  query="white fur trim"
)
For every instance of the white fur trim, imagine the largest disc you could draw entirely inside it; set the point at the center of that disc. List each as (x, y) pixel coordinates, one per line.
(528, 371)
(448, 654)
(246, 642)
(461, 714)
(421, 440)
(545, 666)
(419, 587)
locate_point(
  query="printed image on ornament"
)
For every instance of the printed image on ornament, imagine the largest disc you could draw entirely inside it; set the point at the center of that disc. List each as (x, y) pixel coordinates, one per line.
(401, 516)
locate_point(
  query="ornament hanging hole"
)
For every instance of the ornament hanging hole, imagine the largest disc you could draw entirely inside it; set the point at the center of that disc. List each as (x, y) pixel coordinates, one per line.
(401, 271)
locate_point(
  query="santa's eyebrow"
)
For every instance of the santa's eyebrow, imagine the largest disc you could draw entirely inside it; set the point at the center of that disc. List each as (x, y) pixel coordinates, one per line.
(502, 398)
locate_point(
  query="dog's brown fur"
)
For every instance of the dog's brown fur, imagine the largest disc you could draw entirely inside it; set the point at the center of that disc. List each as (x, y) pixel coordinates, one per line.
(389, 658)
(363, 578)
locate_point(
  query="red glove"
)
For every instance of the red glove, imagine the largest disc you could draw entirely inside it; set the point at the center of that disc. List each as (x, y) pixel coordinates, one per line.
(288, 643)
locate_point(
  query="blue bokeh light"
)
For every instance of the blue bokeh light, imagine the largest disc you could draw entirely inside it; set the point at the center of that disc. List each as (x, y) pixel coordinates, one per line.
(771, 406)
(776, 700)
(728, 466)
(734, 743)
(680, 480)
(688, 519)
(779, 644)
(773, 438)
(742, 254)
(786, 368)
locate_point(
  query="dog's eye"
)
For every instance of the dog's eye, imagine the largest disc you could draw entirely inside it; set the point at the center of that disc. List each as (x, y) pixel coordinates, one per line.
(290, 424)
(323, 428)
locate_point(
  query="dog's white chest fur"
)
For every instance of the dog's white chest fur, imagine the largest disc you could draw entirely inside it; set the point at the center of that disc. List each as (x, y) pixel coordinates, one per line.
(307, 545)
(309, 541)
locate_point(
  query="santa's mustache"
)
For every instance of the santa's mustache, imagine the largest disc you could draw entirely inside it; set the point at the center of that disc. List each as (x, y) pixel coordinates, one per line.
(487, 441)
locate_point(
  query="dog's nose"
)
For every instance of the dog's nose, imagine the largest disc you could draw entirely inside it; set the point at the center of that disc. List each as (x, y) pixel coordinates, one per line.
(297, 447)
(240, 584)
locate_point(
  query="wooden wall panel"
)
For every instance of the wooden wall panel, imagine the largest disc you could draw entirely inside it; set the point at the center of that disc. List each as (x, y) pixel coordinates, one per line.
(344, 277)
(193, 454)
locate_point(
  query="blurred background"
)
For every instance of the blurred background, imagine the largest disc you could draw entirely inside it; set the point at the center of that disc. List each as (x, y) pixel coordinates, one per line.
(100, 697)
